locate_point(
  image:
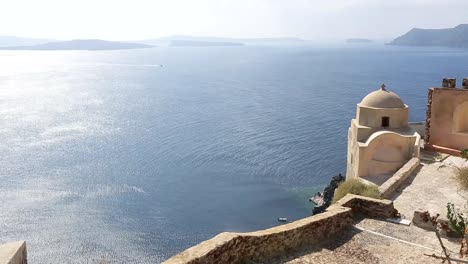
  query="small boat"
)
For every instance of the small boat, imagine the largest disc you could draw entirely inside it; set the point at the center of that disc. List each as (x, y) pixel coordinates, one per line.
(282, 219)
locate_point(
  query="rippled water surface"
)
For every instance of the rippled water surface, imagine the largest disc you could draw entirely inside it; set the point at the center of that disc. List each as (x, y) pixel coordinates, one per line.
(132, 156)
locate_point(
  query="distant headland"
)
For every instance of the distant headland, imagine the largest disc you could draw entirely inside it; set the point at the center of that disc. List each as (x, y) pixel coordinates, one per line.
(456, 37)
(80, 44)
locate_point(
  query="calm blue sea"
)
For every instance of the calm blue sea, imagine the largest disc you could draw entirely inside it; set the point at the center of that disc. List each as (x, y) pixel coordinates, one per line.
(133, 156)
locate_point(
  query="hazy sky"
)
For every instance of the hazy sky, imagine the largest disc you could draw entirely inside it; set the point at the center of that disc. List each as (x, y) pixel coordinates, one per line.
(310, 19)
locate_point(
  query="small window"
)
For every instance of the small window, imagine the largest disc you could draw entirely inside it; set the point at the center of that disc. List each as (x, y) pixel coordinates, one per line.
(385, 121)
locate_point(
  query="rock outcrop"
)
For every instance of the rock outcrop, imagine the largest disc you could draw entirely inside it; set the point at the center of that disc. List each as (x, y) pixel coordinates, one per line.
(323, 200)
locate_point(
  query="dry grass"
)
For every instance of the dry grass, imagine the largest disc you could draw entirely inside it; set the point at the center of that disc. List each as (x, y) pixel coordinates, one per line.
(355, 186)
(461, 175)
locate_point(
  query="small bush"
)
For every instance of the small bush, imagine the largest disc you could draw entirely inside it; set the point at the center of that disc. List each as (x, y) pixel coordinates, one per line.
(355, 186)
(456, 219)
(461, 175)
(464, 153)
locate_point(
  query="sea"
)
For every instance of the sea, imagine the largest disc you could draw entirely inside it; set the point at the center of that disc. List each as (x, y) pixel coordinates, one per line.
(132, 156)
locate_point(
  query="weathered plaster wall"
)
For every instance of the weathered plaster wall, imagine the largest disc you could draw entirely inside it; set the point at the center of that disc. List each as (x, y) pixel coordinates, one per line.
(372, 117)
(352, 155)
(13, 253)
(385, 152)
(448, 116)
(375, 150)
(265, 244)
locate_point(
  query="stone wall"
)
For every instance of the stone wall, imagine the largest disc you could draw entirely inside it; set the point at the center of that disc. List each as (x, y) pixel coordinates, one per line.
(13, 253)
(260, 246)
(427, 135)
(389, 187)
(368, 207)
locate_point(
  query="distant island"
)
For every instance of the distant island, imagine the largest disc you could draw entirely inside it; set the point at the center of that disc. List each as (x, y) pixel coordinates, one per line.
(216, 41)
(193, 43)
(456, 37)
(358, 40)
(81, 44)
(18, 43)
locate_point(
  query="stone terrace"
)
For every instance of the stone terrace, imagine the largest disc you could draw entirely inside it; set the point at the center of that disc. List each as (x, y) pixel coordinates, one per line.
(431, 188)
(356, 246)
(375, 241)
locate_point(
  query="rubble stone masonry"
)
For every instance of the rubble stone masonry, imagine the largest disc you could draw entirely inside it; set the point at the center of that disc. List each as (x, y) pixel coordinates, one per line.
(428, 115)
(261, 246)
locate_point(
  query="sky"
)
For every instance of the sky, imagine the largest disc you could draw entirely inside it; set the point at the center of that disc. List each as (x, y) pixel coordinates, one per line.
(307, 19)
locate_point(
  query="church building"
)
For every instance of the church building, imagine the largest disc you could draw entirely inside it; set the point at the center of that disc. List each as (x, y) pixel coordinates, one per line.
(380, 140)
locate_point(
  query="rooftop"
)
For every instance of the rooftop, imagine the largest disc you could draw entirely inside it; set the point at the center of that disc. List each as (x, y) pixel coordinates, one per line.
(382, 98)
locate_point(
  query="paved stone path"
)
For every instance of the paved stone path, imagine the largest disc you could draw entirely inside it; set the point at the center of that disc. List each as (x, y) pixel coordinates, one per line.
(431, 189)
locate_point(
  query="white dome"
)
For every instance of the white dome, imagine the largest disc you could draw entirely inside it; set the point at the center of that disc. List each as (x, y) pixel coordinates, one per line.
(382, 99)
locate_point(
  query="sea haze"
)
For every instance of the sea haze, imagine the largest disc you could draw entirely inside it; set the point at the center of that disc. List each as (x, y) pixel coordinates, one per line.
(132, 156)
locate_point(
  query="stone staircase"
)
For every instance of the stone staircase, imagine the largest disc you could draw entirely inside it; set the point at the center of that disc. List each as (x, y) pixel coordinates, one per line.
(326, 256)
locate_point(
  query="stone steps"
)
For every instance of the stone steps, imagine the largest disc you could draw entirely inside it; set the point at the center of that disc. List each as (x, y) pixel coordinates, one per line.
(326, 256)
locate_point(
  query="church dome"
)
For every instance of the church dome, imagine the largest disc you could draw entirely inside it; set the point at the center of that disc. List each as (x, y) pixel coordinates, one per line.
(382, 99)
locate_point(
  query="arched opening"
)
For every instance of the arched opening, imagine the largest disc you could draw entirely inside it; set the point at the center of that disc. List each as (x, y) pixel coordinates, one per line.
(460, 118)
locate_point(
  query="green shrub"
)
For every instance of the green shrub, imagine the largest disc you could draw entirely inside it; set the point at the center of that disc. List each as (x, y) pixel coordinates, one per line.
(464, 153)
(355, 186)
(461, 175)
(456, 220)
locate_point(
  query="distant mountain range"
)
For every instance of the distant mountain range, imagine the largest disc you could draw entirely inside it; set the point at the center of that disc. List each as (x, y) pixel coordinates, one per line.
(81, 44)
(359, 40)
(193, 43)
(456, 37)
(16, 43)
